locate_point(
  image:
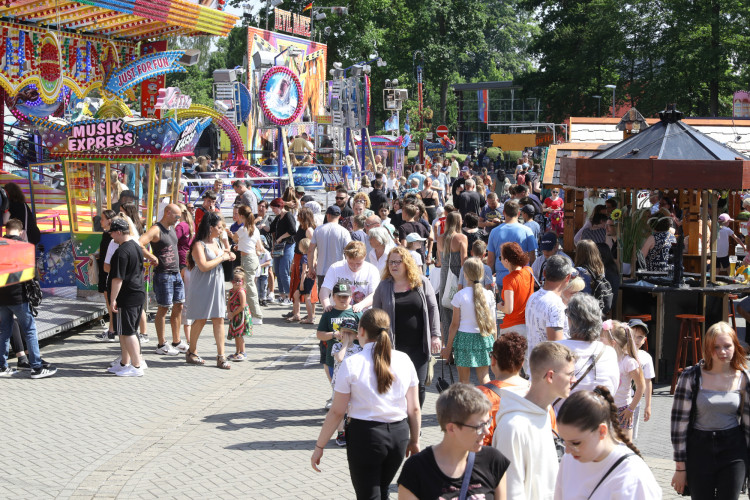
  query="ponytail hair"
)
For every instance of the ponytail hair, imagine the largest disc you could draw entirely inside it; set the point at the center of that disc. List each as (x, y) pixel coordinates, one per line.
(474, 272)
(622, 335)
(377, 324)
(587, 410)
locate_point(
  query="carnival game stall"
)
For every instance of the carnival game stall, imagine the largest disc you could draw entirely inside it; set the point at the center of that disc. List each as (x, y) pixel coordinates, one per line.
(674, 158)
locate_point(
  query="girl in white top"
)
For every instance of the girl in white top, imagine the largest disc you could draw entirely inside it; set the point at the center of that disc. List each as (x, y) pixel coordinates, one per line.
(380, 387)
(620, 338)
(594, 444)
(473, 329)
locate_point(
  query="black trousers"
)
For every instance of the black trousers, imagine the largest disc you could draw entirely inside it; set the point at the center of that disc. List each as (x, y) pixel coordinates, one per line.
(375, 451)
(716, 463)
(421, 363)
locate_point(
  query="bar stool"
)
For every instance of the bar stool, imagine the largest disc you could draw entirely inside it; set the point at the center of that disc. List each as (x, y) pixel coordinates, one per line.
(732, 298)
(646, 318)
(690, 335)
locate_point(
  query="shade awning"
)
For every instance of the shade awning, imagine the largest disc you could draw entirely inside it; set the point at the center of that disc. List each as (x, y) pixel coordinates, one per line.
(125, 19)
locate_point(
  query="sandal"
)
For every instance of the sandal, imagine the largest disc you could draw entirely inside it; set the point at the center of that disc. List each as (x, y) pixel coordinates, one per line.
(193, 359)
(287, 315)
(221, 362)
(293, 319)
(238, 356)
(308, 321)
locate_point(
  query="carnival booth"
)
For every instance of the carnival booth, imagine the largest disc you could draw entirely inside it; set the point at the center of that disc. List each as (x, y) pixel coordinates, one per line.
(698, 171)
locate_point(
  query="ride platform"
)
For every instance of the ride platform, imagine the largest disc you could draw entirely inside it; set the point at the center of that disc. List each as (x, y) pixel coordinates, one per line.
(59, 314)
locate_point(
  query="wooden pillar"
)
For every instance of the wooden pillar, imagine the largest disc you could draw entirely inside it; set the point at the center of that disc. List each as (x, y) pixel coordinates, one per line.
(691, 221)
(714, 233)
(573, 207)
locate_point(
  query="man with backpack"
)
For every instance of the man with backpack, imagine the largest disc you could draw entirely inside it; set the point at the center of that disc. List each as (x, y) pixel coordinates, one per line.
(15, 301)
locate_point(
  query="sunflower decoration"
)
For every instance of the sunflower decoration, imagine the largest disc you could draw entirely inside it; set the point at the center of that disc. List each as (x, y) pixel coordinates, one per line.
(616, 214)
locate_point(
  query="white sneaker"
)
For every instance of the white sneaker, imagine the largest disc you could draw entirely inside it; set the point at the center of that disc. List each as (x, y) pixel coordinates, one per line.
(143, 363)
(167, 350)
(116, 362)
(257, 321)
(117, 368)
(182, 347)
(130, 371)
(8, 372)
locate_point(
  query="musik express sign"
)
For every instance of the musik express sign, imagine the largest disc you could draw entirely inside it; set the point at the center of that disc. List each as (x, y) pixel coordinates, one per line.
(291, 23)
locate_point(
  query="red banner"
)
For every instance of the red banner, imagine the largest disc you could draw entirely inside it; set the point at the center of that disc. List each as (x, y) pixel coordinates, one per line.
(150, 88)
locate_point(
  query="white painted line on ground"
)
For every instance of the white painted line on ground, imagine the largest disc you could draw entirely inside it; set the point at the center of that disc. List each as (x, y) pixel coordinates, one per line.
(275, 364)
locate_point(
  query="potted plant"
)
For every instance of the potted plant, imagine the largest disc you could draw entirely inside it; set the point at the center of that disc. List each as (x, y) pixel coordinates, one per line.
(634, 230)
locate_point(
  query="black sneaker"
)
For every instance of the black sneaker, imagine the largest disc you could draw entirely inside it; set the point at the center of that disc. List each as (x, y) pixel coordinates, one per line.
(341, 439)
(25, 366)
(43, 372)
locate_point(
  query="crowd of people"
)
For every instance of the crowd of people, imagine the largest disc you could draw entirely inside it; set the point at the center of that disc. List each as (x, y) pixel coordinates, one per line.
(464, 265)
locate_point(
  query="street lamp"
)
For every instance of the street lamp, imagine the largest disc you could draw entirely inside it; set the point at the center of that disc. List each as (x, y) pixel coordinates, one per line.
(613, 87)
(599, 104)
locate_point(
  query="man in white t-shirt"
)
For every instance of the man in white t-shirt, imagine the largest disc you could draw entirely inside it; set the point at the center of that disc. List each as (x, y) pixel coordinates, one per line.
(545, 310)
(329, 240)
(362, 277)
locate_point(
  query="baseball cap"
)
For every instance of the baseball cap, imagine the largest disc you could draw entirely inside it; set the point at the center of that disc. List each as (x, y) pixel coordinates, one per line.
(342, 289)
(119, 224)
(333, 210)
(299, 189)
(390, 227)
(307, 198)
(465, 169)
(723, 218)
(548, 241)
(637, 322)
(528, 209)
(412, 237)
(349, 324)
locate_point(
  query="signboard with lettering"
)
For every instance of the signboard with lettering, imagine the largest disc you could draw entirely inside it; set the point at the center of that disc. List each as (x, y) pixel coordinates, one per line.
(150, 86)
(173, 98)
(144, 68)
(291, 23)
(120, 138)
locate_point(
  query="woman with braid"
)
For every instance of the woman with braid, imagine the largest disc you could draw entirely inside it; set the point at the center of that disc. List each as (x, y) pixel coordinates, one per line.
(600, 461)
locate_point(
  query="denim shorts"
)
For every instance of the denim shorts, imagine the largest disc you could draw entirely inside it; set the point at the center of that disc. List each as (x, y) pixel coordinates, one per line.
(169, 289)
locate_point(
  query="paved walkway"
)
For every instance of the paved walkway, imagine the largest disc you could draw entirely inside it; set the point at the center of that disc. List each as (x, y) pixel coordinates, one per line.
(193, 432)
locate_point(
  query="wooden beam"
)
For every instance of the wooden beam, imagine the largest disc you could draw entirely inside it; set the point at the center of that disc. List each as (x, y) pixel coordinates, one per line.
(714, 233)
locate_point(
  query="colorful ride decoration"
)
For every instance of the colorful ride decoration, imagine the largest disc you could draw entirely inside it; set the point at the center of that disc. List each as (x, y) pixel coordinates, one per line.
(123, 138)
(221, 121)
(141, 69)
(367, 100)
(281, 96)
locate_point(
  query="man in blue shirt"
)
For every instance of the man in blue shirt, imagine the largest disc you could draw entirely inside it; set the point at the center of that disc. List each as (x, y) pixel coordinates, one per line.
(510, 231)
(439, 182)
(418, 175)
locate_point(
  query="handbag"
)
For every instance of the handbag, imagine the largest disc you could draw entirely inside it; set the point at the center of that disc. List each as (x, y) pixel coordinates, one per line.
(451, 287)
(441, 383)
(278, 250)
(430, 370)
(93, 271)
(467, 476)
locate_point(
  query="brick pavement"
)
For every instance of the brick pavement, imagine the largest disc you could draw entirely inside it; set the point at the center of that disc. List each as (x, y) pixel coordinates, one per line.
(192, 432)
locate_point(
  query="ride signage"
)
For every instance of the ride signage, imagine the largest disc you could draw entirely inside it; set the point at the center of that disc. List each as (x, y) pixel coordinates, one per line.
(102, 135)
(144, 68)
(291, 23)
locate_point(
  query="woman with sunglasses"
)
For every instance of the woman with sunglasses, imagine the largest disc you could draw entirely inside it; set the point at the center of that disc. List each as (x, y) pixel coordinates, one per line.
(409, 299)
(600, 462)
(440, 471)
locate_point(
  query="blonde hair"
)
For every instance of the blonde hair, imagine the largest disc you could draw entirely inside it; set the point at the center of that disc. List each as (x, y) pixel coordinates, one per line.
(623, 340)
(413, 273)
(474, 272)
(377, 324)
(186, 217)
(574, 286)
(304, 244)
(363, 198)
(355, 250)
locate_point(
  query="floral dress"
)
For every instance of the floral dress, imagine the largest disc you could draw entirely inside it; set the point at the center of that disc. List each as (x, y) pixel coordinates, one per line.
(657, 258)
(242, 324)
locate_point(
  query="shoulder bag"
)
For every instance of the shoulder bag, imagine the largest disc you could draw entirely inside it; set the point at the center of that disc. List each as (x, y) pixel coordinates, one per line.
(614, 466)
(586, 372)
(451, 285)
(467, 476)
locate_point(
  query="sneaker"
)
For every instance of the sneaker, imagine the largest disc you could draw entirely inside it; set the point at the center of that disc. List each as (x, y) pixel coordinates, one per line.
(341, 439)
(25, 366)
(167, 350)
(130, 371)
(181, 347)
(106, 335)
(329, 403)
(143, 338)
(43, 372)
(143, 364)
(257, 321)
(116, 361)
(272, 300)
(8, 372)
(116, 368)
(286, 302)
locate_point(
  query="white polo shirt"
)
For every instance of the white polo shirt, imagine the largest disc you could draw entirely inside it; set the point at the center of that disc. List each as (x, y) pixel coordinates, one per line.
(357, 377)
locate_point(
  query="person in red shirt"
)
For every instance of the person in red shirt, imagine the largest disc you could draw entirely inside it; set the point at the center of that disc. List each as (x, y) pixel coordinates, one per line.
(518, 285)
(209, 205)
